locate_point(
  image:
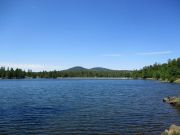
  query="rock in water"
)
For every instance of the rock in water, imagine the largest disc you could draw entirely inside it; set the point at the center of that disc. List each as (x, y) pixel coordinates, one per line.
(173, 130)
(175, 101)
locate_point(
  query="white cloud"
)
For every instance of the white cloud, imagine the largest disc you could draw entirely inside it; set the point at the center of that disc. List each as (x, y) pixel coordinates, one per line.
(155, 53)
(112, 55)
(33, 67)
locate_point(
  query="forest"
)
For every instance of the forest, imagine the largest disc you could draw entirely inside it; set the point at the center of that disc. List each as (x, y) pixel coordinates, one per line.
(10, 73)
(169, 71)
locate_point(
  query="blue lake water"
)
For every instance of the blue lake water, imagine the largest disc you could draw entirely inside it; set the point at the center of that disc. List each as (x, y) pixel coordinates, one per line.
(124, 107)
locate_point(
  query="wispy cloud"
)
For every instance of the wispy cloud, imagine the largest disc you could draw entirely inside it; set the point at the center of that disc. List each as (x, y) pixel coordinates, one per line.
(34, 67)
(140, 53)
(155, 53)
(112, 55)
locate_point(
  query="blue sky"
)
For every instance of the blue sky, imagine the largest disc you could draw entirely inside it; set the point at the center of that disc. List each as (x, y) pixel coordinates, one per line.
(116, 34)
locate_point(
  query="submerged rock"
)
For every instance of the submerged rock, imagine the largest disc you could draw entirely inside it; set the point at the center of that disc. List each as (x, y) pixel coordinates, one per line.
(175, 101)
(173, 130)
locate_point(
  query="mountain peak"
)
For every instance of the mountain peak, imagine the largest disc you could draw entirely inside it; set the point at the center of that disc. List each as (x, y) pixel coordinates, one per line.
(76, 68)
(100, 69)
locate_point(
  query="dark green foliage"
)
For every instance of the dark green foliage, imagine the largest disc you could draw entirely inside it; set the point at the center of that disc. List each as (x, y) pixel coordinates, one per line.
(11, 73)
(168, 71)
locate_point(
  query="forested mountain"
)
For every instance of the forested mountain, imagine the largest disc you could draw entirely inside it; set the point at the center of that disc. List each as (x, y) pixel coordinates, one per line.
(169, 71)
(99, 69)
(77, 68)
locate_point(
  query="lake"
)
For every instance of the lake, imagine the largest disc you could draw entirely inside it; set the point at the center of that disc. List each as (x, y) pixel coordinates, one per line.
(50, 106)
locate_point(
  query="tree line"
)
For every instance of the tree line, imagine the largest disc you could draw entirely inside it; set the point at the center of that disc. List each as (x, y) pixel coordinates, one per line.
(19, 74)
(169, 71)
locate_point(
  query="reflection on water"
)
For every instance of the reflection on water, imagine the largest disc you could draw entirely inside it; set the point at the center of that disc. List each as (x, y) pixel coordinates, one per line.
(86, 107)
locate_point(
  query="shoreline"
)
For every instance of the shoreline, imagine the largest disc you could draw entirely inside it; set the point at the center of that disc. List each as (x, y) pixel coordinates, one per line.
(177, 81)
(74, 78)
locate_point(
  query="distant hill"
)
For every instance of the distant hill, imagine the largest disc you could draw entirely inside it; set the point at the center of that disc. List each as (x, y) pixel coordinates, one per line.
(77, 68)
(100, 69)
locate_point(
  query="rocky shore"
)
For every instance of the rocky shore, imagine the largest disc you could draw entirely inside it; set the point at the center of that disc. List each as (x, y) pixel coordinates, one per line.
(175, 101)
(173, 130)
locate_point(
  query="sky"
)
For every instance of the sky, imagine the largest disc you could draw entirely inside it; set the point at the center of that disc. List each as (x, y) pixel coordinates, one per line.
(115, 34)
